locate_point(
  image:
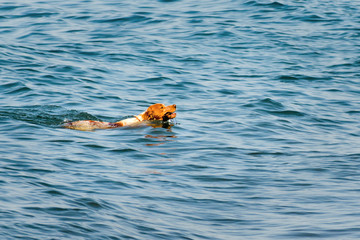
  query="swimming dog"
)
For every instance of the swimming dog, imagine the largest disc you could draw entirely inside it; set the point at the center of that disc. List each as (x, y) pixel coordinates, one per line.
(156, 111)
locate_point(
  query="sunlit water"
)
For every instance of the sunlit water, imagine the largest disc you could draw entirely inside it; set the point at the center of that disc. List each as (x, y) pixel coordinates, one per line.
(265, 144)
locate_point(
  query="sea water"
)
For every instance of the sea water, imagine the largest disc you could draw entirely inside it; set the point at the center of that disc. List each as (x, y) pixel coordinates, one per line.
(266, 143)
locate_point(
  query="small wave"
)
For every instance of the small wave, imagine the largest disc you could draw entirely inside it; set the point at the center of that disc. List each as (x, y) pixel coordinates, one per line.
(287, 113)
(274, 4)
(65, 68)
(312, 18)
(297, 77)
(131, 19)
(168, 1)
(270, 106)
(91, 203)
(16, 88)
(153, 80)
(37, 14)
(270, 103)
(8, 8)
(267, 103)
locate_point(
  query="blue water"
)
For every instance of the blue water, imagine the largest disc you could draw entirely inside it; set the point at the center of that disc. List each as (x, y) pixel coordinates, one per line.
(266, 143)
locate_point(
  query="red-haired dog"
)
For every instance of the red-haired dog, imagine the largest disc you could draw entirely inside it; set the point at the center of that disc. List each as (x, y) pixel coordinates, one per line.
(157, 111)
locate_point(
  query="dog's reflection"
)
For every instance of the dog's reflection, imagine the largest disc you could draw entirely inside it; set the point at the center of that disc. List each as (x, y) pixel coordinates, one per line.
(161, 138)
(160, 124)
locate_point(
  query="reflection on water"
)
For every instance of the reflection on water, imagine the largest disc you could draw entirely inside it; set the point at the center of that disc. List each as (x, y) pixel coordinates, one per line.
(161, 124)
(161, 139)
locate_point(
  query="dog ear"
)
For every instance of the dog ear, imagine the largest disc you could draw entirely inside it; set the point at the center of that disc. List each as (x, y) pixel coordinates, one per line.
(151, 115)
(147, 115)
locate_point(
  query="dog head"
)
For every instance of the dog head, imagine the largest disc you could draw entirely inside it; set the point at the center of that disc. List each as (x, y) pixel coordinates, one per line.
(160, 112)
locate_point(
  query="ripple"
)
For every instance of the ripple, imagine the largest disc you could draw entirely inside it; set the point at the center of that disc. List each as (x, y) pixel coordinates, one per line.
(89, 202)
(48, 115)
(273, 4)
(59, 211)
(287, 113)
(136, 18)
(301, 77)
(55, 193)
(312, 18)
(15, 88)
(123, 150)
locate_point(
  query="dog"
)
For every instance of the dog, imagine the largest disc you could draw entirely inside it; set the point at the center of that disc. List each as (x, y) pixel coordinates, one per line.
(156, 111)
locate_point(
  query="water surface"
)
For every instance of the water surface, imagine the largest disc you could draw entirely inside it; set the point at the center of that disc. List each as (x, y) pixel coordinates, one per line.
(265, 144)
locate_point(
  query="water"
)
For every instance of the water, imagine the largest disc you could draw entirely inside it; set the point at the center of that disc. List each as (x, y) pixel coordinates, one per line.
(265, 144)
